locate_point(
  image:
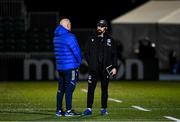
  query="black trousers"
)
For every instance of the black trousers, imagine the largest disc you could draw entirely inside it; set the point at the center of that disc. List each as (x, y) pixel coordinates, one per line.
(101, 75)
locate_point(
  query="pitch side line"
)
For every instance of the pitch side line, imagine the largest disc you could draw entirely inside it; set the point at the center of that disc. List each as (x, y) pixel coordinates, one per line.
(84, 90)
(110, 99)
(115, 100)
(140, 108)
(172, 118)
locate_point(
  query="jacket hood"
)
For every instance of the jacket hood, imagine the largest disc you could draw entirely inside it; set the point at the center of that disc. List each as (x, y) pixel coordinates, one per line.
(60, 30)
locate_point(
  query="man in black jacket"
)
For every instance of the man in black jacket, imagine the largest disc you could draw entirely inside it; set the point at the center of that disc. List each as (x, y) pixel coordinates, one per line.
(102, 63)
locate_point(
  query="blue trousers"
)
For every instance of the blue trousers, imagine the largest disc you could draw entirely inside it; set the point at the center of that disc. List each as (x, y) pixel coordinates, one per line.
(66, 85)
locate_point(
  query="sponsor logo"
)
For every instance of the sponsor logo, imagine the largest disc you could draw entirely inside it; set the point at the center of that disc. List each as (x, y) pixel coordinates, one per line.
(108, 42)
(125, 70)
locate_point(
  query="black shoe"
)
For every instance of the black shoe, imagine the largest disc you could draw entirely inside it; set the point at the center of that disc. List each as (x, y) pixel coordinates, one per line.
(71, 113)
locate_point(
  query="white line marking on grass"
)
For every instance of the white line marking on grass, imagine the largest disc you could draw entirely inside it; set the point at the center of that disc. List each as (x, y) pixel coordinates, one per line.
(172, 118)
(115, 100)
(84, 90)
(140, 108)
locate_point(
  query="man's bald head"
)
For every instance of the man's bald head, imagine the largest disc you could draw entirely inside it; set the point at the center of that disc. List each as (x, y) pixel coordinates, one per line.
(66, 23)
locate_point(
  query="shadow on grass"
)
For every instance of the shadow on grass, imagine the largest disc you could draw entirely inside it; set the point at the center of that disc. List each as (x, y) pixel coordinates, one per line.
(25, 118)
(72, 118)
(47, 115)
(23, 112)
(78, 117)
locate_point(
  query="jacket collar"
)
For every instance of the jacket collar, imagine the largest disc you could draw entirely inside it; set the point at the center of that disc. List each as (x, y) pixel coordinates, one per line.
(60, 30)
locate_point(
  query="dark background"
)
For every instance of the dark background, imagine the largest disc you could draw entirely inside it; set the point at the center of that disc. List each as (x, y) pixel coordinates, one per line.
(27, 35)
(84, 13)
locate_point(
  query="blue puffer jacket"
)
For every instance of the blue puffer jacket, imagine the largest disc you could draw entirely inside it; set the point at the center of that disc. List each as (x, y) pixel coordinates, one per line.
(66, 49)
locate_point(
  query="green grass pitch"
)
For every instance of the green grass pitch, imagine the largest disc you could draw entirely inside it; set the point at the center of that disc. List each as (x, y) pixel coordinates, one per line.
(36, 101)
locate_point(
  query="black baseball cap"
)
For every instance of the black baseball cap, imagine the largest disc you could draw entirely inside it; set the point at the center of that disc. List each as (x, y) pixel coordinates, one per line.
(102, 23)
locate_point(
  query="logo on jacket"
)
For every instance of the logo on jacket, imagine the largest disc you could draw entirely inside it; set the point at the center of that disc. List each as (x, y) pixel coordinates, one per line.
(89, 79)
(92, 39)
(108, 42)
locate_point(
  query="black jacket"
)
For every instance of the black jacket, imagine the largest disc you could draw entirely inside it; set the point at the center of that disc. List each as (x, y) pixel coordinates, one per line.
(107, 51)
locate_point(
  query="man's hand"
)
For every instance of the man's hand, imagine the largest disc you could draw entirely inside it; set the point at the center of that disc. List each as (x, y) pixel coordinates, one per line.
(113, 71)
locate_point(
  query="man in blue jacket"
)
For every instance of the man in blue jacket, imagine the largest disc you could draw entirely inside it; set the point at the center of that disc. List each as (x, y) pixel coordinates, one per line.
(68, 59)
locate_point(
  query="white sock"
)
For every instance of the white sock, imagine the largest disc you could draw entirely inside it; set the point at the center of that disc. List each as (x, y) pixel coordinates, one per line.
(89, 109)
(68, 111)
